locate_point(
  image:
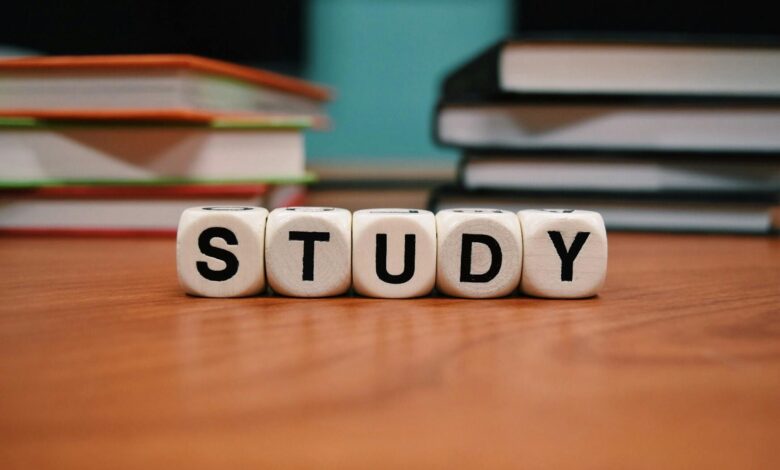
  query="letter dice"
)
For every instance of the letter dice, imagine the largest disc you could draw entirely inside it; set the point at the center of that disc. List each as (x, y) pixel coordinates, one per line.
(394, 252)
(480, 253)
(308, 251)
(565, 253)
(219, 251)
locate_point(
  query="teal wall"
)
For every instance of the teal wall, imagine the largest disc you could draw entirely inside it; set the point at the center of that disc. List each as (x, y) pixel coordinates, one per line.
(385, 59)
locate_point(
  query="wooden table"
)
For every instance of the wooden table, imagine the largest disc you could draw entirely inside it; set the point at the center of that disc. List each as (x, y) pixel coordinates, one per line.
(104, 363)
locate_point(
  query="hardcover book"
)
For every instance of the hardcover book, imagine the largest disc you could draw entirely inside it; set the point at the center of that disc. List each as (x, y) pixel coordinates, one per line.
(38, 153)
(609, 65)
(151, 87)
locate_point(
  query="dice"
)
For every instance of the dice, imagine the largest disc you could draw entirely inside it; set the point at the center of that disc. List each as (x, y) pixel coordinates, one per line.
(227, 251)
(308, 251)
(393, 252)
(480, 253)
(219, 251)
(565, 253)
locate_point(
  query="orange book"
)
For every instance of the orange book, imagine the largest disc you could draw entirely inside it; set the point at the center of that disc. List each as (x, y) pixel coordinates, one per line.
(154, 87)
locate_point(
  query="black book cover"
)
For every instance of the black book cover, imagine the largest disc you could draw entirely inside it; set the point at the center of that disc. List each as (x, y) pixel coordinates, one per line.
(495, 97)
(739, 160)
(477, 80)
(450, 190)
(743, 20)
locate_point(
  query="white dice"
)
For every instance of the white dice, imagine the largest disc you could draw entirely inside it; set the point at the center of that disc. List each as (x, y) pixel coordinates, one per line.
(308, 251)
(393, 252)
(480, 253)
(219, 251)
(565, 253)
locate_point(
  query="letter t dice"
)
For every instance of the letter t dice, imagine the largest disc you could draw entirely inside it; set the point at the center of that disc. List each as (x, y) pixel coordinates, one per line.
(308, 251)
(565, 253)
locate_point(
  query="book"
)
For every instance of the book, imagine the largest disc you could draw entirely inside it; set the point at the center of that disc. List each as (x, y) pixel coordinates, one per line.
(151, 87)
(356, 185)
(558, 171)
(668, 212)
(612, 65)
(612, 124)
(119, 210)
(688, 20)
(38, 153)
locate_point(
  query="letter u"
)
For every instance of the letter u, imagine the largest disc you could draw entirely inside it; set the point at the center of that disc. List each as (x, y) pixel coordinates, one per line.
(381, 259)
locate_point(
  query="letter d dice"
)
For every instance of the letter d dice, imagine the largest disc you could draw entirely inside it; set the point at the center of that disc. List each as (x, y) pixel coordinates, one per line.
(480, 253)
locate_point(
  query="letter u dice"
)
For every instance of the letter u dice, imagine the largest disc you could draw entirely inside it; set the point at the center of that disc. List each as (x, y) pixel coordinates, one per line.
(394, 252)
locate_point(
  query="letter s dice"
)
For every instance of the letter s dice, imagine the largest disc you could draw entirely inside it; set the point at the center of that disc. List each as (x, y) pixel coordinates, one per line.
(565, 253)
(219, 251)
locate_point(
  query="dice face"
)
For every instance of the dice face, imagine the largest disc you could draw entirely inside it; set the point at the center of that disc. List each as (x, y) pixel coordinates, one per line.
(393, 252)
(219, 251)
(480, 253)
(565, 253)
(308, 251)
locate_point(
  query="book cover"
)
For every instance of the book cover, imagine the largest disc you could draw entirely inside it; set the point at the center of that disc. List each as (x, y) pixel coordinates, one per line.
(153, 88)
(113, 211)
(540, 66)
(134, 63)
(51, 153)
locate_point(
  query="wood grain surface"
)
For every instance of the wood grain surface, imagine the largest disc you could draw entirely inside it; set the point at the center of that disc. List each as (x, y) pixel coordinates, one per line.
(105, 363)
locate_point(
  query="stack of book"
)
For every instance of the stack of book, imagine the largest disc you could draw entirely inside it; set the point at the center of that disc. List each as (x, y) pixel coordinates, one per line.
(122, 144)
(662, 135)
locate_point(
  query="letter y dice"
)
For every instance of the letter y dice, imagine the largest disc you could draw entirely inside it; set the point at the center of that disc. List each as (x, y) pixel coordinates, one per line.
(565, 253)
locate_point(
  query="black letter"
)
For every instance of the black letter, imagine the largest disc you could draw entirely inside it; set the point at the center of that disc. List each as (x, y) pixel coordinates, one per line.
(465, 258)
(567, 258)
(381, 259)
(308, 239)
(231, 262)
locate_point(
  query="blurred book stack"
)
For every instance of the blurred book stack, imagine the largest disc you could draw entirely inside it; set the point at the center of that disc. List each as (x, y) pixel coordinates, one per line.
(664, 135)
(122, 144)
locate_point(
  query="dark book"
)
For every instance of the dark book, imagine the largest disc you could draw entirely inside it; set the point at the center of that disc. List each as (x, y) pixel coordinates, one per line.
(634, 211)
(650, 172)
(612, 123)
(688, 19)
(619, 65)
